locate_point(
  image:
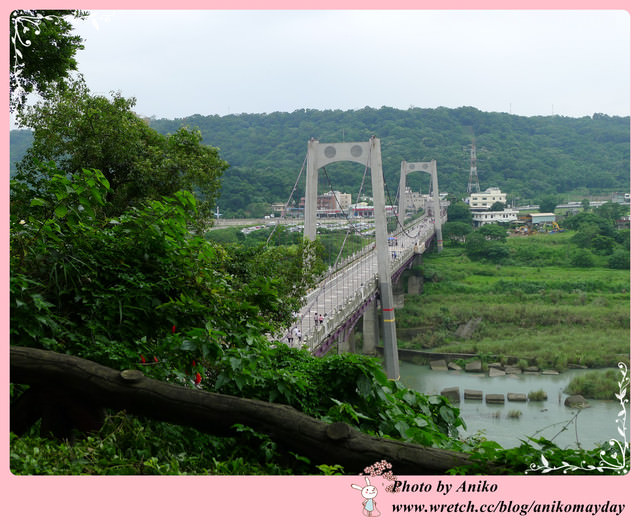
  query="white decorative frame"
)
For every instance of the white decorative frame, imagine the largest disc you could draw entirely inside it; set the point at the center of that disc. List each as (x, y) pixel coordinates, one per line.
(22, 25)
(614, 459)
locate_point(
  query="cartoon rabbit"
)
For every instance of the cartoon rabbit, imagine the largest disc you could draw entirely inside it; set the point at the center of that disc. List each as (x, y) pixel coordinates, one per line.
(369, 492)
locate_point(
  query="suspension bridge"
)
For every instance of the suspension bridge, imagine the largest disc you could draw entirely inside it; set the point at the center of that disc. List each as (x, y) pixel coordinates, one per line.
(358, 283)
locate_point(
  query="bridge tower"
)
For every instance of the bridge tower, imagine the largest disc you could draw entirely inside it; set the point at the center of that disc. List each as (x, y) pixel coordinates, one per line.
(368, 154)
(431, 169)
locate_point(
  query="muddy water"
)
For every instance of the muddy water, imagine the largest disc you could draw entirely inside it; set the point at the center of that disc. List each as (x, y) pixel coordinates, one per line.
(592, 426)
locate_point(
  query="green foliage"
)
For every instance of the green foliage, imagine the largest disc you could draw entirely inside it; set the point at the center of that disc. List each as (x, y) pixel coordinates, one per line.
(582, 258)
(456, 232)
(110, 289)
(328, 244)
(348, 388)
(591, 222)
(620, 259)
(459, 212)
(529, 156)
(50, 56)
(550, 458)
(493, 232)
(611, 210)
(537, 395)
(128, 445)
(478, 247)
(603, 245)
(141, 290)
(77, 130)
(600, 385)
(548, 203)
(535, 307)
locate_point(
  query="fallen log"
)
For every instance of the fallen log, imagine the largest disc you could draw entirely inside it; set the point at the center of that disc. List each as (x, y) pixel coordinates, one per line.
(131, 390)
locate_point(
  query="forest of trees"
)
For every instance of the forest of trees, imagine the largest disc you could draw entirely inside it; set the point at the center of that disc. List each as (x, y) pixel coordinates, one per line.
(527, 157)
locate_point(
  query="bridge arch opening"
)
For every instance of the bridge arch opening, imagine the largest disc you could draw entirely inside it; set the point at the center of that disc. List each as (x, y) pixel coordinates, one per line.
(431, 169)
(369, 155)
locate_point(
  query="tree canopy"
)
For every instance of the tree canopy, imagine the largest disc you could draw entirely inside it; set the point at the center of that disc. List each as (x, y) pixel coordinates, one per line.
(526, 157)
(459, 212)
(78, 130)
(548, 203)
(42, 51)
(111, 288)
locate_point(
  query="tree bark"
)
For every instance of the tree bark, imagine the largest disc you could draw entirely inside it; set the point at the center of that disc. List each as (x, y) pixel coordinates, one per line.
(130, 390)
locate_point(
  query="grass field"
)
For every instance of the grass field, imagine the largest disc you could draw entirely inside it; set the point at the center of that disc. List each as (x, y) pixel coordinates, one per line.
(545, 314)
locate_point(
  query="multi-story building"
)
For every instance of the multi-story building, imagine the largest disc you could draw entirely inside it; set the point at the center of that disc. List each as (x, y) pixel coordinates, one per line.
(332, 203)
(486, 198)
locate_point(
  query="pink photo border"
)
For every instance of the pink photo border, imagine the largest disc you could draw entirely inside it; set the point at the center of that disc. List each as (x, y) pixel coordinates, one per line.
(284, 499)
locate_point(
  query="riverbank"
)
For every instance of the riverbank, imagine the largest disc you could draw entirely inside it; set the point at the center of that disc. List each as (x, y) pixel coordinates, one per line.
(549, 315)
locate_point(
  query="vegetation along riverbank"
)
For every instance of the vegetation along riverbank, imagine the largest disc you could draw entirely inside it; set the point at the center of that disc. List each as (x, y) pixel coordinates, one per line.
(534, 305)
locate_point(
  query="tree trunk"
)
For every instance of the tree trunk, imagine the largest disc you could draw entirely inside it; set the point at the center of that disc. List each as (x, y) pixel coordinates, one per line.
(99, 386)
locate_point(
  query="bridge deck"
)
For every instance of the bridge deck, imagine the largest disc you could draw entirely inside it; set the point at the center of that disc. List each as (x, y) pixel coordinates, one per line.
(342, 297)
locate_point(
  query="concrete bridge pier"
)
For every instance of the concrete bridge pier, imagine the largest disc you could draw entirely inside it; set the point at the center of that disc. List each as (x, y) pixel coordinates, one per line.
(415, 284)
(398, 293)
(347, 344)
(370, 329)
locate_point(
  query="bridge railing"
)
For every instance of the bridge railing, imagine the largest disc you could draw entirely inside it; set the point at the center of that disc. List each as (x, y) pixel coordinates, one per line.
(343, 317)
(318, 337)
(325, 335)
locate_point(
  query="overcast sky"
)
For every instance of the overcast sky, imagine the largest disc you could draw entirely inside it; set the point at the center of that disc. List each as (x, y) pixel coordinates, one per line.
(179, 63)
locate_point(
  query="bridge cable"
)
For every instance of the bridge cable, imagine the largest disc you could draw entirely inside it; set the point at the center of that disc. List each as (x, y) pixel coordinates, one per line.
(395, 213)
(346, 214)
(349, 229)
(295, 186)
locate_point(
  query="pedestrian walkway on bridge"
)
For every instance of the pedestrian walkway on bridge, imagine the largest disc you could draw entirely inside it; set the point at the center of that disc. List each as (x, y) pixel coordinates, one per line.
(355, 287)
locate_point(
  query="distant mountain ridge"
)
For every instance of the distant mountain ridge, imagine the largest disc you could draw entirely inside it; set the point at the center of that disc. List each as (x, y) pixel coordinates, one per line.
(525, 156)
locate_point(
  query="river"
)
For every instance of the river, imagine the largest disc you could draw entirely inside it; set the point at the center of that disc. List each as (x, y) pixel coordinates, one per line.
(593, 425)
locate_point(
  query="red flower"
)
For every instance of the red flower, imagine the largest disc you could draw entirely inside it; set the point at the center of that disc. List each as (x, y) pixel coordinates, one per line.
(155, 359)
(173, 329)
(143, 359)
(198, 378)
(193, 363)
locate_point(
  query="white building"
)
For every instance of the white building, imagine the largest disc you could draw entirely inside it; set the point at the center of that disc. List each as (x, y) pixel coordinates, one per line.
(486, 198)
(480, 218)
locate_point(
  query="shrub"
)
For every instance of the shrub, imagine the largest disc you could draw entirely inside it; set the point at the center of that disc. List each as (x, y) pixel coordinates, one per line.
(581, 258)
(620, 259)
(599, 385)
(537, 395)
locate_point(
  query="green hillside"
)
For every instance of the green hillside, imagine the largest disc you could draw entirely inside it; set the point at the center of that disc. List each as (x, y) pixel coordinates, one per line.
(525, 156)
